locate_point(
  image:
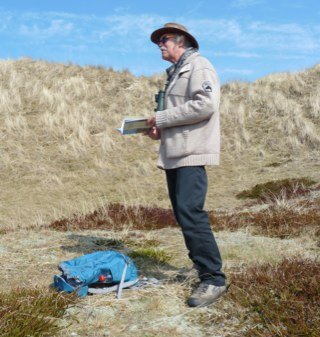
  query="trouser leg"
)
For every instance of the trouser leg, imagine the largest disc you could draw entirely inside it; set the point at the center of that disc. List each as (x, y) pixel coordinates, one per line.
(187, 188)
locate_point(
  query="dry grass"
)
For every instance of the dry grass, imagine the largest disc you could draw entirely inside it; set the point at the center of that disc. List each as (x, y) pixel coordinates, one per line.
(276, 113)
(59, 143)
(61, 155)
(30, 258)
(64, 167)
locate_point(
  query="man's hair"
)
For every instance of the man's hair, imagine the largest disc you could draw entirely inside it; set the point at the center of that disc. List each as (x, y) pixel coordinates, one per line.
(182, 38)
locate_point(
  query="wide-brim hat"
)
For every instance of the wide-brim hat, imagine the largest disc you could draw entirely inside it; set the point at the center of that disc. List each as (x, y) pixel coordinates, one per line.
(173, 28)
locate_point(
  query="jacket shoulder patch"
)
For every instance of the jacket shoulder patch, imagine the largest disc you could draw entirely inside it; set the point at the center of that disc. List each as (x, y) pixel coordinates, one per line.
(207, 86)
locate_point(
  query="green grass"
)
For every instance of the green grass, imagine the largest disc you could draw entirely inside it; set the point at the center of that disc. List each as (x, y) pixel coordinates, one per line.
(32, 312)
(153, 255)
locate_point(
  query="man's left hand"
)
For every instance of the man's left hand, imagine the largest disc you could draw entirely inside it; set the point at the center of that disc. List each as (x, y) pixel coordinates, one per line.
(151, 121)
(153, 133)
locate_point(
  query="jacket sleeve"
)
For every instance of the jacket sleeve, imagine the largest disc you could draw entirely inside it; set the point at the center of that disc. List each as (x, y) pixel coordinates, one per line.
(204, 91)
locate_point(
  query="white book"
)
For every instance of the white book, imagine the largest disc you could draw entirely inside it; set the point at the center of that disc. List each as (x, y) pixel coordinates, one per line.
(132, 125)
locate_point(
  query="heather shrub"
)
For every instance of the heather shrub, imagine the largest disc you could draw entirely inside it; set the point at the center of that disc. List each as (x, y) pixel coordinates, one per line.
(281, 300)
(32, 312)
(275, 221)
(118, 216)
(273, 189)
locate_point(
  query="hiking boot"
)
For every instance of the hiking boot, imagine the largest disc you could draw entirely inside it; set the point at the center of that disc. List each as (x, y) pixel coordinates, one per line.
(206, 294)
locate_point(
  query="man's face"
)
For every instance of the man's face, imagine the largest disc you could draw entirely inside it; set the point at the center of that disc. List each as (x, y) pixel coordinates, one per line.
(170, 50)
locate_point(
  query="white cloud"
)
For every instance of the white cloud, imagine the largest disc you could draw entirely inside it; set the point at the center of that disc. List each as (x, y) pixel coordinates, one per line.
(290, 28)
(254, 36)
(236, 71)
(126, 25)
(127, 31)
(124, 31)
(47, 29)
(104, 39)
(215, 29)
(237, 54)
(290, 37)
(5, 20)
(246, 3)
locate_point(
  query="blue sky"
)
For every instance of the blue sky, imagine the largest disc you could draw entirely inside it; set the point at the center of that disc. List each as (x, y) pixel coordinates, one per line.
(244, 39)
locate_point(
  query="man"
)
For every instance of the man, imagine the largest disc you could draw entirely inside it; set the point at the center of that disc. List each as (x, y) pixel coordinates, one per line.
(189, 131)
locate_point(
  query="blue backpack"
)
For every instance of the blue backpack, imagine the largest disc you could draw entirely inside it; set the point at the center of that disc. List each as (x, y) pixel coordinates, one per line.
(98, 272)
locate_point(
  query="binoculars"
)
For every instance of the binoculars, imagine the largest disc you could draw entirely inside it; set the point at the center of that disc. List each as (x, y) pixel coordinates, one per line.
(159, 98)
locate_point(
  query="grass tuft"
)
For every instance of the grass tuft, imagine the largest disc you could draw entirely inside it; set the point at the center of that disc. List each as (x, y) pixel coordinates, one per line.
(107, 243)
(32, 312)
(282, 300)
(272, 189)
(153, 255)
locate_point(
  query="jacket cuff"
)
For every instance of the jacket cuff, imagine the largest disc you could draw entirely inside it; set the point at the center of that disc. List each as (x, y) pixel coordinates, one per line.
(161, 119)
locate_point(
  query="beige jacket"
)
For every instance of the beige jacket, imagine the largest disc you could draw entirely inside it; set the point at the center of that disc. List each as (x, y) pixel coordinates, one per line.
(190, 130)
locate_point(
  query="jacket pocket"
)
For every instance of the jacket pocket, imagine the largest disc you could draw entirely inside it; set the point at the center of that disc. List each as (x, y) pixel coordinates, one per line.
(179, 88)
(176, 144)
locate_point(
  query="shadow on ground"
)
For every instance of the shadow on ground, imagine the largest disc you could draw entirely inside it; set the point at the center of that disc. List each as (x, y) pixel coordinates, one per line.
(149, 265)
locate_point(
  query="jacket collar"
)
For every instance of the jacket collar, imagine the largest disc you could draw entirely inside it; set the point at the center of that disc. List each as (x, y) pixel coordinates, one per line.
(174, 73)
(184, 59)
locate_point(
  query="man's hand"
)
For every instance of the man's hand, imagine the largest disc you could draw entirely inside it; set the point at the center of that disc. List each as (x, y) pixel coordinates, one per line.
(153, 133)
(151, 121)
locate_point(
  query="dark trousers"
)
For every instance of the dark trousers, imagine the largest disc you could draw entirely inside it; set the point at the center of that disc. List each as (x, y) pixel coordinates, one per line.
(187, 188)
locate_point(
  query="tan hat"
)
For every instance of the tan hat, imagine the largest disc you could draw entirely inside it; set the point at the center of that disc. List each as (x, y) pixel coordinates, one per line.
(173, 28)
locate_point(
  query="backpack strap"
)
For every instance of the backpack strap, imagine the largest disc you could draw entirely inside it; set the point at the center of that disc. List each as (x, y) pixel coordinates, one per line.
(119, 294)
(118, 287)
(111, 289)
